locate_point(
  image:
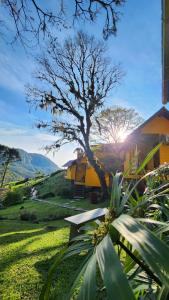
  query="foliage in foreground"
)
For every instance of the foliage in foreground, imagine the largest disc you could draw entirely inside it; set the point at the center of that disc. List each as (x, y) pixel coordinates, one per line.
(127, 255)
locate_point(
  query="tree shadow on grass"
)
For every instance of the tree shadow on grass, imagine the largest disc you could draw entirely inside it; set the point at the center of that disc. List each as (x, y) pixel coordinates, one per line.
(21, 253)
(63, 277)
(19, 236)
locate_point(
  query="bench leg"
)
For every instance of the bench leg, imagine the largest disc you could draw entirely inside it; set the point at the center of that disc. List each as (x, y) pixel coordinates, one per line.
(73, 232)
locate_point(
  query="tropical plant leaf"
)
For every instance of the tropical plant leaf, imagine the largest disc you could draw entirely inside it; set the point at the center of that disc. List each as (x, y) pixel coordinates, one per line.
(82, 237)
(154, 251)
(164, 294)
(148, 158)
(78, 275)
(147, 200)
(151, 221)
(116, 191)
(116, 283)
(88, 287)
(77, 249)
(46, 288)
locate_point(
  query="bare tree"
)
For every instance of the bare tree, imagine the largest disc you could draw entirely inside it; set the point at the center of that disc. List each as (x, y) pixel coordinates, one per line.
(75, 78)
(113, 124)
(31, 18)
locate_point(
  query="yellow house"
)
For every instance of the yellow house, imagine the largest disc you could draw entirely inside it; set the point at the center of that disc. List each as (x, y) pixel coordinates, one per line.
(80, 172)
(125, 156)
(142, 140)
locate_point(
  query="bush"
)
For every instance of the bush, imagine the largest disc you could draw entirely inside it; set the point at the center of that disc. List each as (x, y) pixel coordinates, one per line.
(12, 198)
(65, 192)
(28, 216)
(20, 181)
(55, 217)
(48, 195)
(27, 191)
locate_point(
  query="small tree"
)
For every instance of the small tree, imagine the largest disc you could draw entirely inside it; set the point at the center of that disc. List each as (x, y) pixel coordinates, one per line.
(113, 124)
(76, 79)
(7, 156)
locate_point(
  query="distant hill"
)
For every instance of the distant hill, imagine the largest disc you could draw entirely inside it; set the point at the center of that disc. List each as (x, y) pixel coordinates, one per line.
(31, 164)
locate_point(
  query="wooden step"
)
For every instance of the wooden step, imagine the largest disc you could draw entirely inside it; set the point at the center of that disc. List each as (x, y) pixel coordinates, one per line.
(79, 192)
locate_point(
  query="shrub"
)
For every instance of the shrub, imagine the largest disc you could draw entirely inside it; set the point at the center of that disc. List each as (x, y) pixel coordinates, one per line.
(65, 192)
(12, 198)
(20, 181)
(28, 216)
(54, 217)
(48, 195)
(27, 191)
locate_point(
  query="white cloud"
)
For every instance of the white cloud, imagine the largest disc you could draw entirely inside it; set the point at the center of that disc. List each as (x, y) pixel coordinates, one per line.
(31, 140)
(46, 137)
(15, 71)
(11, 131)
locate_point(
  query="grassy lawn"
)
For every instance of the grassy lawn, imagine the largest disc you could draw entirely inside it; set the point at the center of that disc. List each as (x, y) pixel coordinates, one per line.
(26, 253)
(27, 250)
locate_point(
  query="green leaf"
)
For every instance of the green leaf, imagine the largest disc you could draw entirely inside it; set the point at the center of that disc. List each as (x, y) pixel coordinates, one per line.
(82, 237)
(77, 249)
(78, 275)
(148, 158)
(88, 287)
(116, 283)
(129, 263)
(116, 191)
(154, 251)
(151, 221)
(46, 288)
(164, 294)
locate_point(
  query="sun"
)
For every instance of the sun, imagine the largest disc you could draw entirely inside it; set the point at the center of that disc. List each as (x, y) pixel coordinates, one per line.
(122, 134)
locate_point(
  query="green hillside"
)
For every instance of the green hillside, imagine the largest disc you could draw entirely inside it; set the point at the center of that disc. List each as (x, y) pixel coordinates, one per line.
(30, 165)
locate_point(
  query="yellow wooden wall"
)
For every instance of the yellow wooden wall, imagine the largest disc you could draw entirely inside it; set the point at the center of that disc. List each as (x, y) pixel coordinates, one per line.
(92, 179)
(158, 125)
(164, 154)
(70, 172)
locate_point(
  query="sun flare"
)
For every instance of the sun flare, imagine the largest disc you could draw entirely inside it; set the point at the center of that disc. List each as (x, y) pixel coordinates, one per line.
(122, 134)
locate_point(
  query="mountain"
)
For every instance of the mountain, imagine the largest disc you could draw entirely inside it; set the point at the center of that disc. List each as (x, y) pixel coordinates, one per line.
(31, 164)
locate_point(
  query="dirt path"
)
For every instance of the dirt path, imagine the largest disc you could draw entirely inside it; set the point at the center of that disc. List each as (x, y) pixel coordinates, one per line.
(61, 205)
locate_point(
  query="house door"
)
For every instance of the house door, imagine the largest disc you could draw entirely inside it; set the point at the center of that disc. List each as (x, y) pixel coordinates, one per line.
(157, 159)
(80, 173)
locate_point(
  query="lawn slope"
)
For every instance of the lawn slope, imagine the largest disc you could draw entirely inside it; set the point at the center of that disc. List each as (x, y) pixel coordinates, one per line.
(28, 249)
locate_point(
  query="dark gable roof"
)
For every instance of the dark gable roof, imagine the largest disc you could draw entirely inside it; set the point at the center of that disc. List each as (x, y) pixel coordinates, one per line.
(69, 163)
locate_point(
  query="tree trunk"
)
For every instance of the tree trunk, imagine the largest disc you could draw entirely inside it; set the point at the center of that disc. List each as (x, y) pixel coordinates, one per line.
(4, 173)
(99, 172)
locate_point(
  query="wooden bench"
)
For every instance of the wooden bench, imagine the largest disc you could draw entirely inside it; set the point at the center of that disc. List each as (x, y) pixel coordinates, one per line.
(78, 220)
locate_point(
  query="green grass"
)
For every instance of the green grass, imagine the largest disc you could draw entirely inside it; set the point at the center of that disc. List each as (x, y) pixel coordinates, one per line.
(54, 184)
(28, 250)
(26, 253)
(42, 210)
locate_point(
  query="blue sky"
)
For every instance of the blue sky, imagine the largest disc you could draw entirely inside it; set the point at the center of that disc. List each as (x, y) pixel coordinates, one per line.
(137, 47)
